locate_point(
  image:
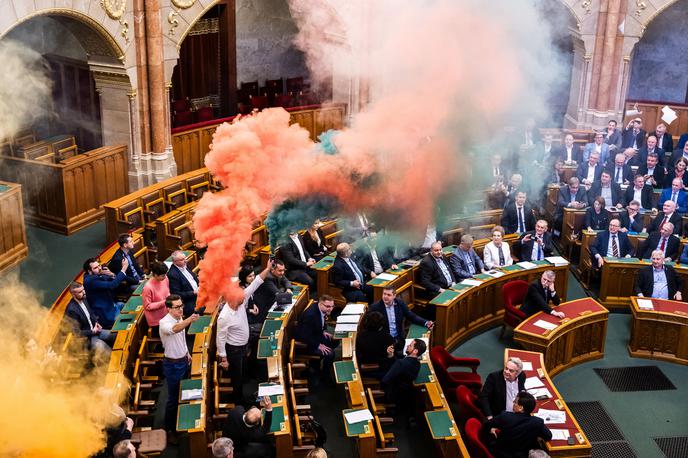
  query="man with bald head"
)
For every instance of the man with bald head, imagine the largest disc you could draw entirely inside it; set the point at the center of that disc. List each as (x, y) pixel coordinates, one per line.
(676, 194)
(664, 241)
(348, 275)
(664, 140)
(250, 436)
(658, 280)
(667, 215)
(434, 272)
(464, 262)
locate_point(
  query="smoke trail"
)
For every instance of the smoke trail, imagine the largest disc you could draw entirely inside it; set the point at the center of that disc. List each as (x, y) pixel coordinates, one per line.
(292, 216)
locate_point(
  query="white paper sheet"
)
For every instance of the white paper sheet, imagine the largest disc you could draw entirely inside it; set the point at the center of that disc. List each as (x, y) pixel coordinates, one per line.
(540, 392)
(346, 327)
(287, 308)
(348, 318)
(358, 416)
(557, 261)
(189, 395)
(471, 282)
(270, 390)
(526, 265)
(551, 416)
(495, 273)
(533, 382)
(560, 434)
(353, 309)
(385, 276)
(668, 115)
(545, 325)
(645, 304)
(527, 366)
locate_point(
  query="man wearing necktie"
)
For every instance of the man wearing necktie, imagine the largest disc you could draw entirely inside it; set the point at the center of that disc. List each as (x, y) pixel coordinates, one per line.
(536, 245)
(464, 262)
(611, 243)
(664, 241)
(667, 215)
(518, 215)
(676, 194)
(348, 276)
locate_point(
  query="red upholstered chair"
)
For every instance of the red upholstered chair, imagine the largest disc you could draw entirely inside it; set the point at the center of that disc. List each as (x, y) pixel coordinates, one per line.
(513, 294)
(204, 114)
(182, 118)
(475, 445)
(181, 105)
(442, 361)
(468, 405)
(259, 102)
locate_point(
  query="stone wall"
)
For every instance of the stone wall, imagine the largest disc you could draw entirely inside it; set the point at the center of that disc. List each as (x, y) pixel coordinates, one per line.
(46, 35)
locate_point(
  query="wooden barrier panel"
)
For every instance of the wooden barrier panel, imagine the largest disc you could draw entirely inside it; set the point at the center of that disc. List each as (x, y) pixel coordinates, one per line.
(661, 332)
(652, 116)
(191, 145)
(13, 246)
(70, 195)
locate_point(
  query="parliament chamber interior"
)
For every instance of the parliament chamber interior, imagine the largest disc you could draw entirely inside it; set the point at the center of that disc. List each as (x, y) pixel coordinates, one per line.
(313, 228)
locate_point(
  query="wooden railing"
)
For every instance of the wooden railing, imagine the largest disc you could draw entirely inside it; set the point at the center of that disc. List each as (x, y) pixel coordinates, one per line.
(13, 246)
(191, 143)
(652, 116)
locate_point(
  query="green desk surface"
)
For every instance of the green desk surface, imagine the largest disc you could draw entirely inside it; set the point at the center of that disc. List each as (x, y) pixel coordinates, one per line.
(124, 322)
(199, 326)
(186, 253)
(191, 384)
(275, 398)
(344, 371)
(416, 331)
(444, 298)
(449, 249)
(629, 260)
(377, 282)
(459, 287)
(542, 262)
(355, 429)
(342, 335)
(296, 289)
(424, 374)
(139, 289)
(274, 315)
(401, 268)
(133, 305)
(266, 348)
(3, 188)
(189, 416)
(482, 277)
(270, 327)
(277, 423)
(440, 424)
(512, 268)
(324, 263)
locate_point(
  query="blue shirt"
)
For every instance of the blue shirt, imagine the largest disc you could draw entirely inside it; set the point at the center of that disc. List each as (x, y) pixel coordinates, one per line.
(660, 289)
(392, 320)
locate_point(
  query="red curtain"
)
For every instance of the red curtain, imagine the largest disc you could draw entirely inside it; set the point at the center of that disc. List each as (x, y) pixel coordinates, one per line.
(197, 73)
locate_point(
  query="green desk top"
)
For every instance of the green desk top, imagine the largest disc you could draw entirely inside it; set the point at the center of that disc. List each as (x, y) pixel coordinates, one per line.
(440, 424)
(275, 398)
(266, 348)
(199, 326)
(512, 268)
(401, 268)
(270, 327)
(629, 260)
(124, 322)
(542, 262)
(186, 253)
(377, 282)
(482, 277)
(424, 374)
(344, 371)
(343, 335)
(191, 384)
(444, 298)
(355, 429)
(133, 305)
(277, 423)
(275, 315)
(324, 263)
(139, 289)
(449, 249)
(296, 289)
(416, 331)
(189, 416)
(459, 287)
(3, 188)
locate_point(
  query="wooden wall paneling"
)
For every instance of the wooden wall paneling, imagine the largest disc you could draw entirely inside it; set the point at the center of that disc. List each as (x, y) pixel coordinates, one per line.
(652, 116)
(13, 244)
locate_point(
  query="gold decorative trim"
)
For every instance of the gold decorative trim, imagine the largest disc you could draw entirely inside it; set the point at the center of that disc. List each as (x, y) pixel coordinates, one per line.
(199, 16)
(125, 30)
(586, 5)
(173, 21)
(114, 8)
(641, 7)
(183, 4)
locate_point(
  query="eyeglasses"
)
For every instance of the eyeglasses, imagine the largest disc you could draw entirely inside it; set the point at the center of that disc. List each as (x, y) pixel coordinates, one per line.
(177, 306)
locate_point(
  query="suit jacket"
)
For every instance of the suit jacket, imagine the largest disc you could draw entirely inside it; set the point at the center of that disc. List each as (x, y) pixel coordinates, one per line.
(99, 291)
(671, 250)
(646, 280)
(645, 196)
(492, 396)
(510, 218)
(626, 173)
(576, 153)
(527, 247)
(398, 381)
(635, 226)
(180, 285)
(265, 295)
(682, 200)
(518, 434)
(643, 153)
(671, 174)
(310, 328)
(115, 266)
(658, 174)
(242, 435)
(343, 275)
(291, 257)
(602, 243)
(596, 191)
(613, 139)
(675, 220)
(582, 172)
(604, 153)
(565, 198)
(365, 260)
(627, 138)
(401, 311)
(431, 276)
(75, 313)
(666, 143)
(595, 221)
(537, 299)
(460, 266)
(681, 142)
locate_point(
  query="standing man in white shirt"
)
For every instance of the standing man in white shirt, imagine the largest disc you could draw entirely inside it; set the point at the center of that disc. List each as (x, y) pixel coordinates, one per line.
(177, 359)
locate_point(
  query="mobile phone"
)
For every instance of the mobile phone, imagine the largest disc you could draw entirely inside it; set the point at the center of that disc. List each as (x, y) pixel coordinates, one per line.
(272, 257)
(200, 310)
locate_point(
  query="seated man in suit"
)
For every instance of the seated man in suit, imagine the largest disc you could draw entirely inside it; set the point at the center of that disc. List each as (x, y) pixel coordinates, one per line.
(373, 259)
(183, 282)
(134, 273)
(434, 273)
(251, 437)
(651, 148)
(664, 140)
(633, 136)
(536, 245)
(589, 171)
(652, 171)
(664, 240)
(631, 219)
(298, 261)
(678, 154)
(394, 311)
(611, 243)
(675, 194)
(658, 281)
(667, 215)
(620, 172)
(311, 330)
(569, 152)
(612, 136)
(639, 192)
(606, 188)
(501, 387)
(571, 196)
(599, 147)
(464, 262)
(517, 216)
(86, 321)
(100, 285)
(539, 295)
(347, 275)
(398, 381)
(275, 282)
(517, 432)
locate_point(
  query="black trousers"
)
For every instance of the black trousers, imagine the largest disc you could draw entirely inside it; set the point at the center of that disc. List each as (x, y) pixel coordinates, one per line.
(236, 357)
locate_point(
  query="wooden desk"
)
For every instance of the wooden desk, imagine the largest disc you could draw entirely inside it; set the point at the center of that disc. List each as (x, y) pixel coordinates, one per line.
(13, 245)
(578, 338)
(556, 448)
(661, 333)
(568, 171)
(571, 227)
(403, 283)
(589, 238)
(551, 202)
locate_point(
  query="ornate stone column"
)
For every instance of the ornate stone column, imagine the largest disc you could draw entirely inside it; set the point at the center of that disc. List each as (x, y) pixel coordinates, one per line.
(113, 87)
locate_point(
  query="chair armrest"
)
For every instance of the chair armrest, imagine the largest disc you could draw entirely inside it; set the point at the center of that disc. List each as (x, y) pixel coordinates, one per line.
(465, 362)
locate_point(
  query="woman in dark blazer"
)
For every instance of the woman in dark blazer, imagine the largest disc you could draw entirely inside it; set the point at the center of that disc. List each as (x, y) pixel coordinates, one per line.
(679, 171)
(314, 241)
(596, 217)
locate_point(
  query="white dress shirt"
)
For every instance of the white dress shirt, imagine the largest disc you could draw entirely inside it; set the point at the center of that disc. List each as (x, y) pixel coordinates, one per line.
(173, 342)
(232, 325)
(511, 392)
(297, 242)
(189, 277)
(591, 173)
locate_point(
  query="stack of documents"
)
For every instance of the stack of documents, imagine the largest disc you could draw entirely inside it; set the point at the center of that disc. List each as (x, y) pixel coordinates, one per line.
(353, 309)
(270, 390)
(358, 416)
(471, 282)
(384, 276)
(545, 325)
(557, 261)
(551, 416)
(347, 323)
(527, 366)
(533, 382)
(526, 265)
(190, 395)
(645, 304)
(560, 434)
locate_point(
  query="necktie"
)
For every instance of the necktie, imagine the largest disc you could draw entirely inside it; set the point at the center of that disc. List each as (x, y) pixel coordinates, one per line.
(673, 196)
(662, 245)
(520, 220)
(357, 272)
(134, 273)
(664, 221)
(539, 256)
(618, 174)
(501, 256)
(615, 247)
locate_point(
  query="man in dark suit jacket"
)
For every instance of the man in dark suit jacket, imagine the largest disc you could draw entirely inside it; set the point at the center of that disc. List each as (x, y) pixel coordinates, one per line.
(606, 181)
(539, 295)
(493, 395)
(651, 148)
(398, 381)
(311, 330)
(85, 319)
(604, 245)
(569, 151)
(584, 169)
(653, 172)
(183, 282)
(664, 140)
(633, 136)
(639, 187)
(250, 437)
(518, 213)
(675, 193)
(275, 282)
(619, 171)
(646, 284)
(612, 137)
(388, 306)
(664, 241)
(536, 245)
(571, 196)
(100, 285)
(298, 261)
(372, 259)
(464, 262)
(668, 214)
(516, 432)
(434, 272)
(631, 219)
(348, 275)
(134, 273)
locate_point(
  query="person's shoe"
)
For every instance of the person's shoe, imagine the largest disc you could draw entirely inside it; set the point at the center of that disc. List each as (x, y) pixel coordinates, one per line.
(172, 438)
